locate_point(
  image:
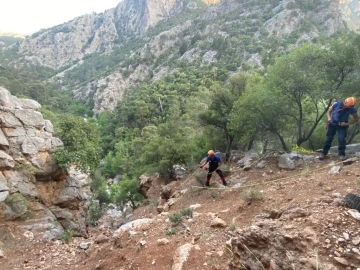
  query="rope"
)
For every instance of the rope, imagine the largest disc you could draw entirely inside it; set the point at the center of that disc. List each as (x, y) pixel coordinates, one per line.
(187, 179)
(271, 181)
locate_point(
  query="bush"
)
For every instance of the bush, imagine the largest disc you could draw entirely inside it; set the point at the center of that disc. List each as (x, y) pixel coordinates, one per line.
(177, 217)
(67, 236)
(95, 211)
(126, 192)
(252, 195)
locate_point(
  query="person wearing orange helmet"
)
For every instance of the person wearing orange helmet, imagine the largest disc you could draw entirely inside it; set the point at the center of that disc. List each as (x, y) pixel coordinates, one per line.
(338, 122)
(214, 166)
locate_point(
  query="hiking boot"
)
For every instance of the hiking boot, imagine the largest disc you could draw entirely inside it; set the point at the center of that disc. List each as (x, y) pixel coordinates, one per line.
(322, 156)
(207, 184)
(342, 158)
(224, 183)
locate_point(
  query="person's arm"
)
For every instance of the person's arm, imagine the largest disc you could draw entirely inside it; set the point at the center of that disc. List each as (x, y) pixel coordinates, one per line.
(354, 120)
(203, 165)
(329, 112)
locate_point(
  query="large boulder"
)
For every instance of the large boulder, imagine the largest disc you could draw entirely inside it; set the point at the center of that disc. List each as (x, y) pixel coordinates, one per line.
(32, 187)
(249, 157)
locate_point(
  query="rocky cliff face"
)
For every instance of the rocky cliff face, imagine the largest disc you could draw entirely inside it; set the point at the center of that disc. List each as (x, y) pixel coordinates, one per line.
(71, 41)
(351, 13)
(136, 54)
(32, 187)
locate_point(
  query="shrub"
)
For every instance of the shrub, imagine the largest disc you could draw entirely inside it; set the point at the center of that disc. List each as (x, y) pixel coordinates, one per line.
(95, 211)
(252, 195)
(177, 217)
(67, 236)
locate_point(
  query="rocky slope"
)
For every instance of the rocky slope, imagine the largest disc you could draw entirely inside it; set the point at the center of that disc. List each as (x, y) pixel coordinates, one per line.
(32, 187)
(270, 218)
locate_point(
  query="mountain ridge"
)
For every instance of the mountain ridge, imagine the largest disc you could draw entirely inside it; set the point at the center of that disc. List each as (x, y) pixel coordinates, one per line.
(98, 56)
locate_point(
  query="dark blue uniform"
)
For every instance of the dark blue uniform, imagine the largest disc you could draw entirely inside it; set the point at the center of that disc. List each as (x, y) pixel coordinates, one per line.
(340, 114)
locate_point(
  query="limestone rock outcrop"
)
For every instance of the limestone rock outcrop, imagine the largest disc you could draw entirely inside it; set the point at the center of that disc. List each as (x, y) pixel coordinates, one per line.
(33, 188)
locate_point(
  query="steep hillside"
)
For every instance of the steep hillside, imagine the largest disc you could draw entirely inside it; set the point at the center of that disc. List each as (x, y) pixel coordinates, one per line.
(98, 56)
(269, 219)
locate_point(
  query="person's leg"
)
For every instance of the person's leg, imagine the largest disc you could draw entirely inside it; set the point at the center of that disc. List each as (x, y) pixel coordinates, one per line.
(342, 133)
(331, 131)
(208, 178)
(219, 172)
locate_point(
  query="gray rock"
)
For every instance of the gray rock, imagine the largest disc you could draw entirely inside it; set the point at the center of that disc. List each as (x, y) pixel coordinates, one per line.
(29, 104)
(27, 144)
(6, 161)
(262, 164)
(7, 119)
(85, 245)
(133, 225)
(1, 254)
(44, 162)
(181, 255)
(218, 222)
(342, 261)
(350, 149)
(30, 118)
(285, 162)
(3, 195)
(15, 132)
(6, 98)
(3, 183)
(334, 170)
(3, 140)
(49, 126)
(249, 156)
(21, 182)
(309, 158)
(179, 172)
(53, 234)
(350, 161)
(32, 145)
(55, 143)
(14, 206)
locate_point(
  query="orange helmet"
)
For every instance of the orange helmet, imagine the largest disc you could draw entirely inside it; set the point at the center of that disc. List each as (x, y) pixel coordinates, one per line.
(350, 102)
(211, 153)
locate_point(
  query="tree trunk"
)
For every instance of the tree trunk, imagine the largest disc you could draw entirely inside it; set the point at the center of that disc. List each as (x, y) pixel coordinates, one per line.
(282, 141)
(252, 139)
(230, 139)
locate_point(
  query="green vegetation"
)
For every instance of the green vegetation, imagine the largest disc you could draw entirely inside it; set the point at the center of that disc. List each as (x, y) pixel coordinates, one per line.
(126, 192)
(264, 89)
(177, 217)
(252, 195)
(67, 236)
(81, 144)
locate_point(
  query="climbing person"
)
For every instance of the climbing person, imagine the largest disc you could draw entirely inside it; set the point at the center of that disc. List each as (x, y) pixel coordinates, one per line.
(214, 166)
(338, 122)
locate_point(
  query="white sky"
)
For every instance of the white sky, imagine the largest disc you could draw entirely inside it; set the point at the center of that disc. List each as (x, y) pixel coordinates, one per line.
(29, 16)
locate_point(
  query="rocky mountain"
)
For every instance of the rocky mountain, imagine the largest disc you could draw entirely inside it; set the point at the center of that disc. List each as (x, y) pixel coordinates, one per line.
(98, 56)
(33, 189)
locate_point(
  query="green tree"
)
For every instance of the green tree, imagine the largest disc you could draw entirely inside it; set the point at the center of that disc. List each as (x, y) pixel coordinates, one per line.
(222, 99)
(81, 143)
(126, 191)
(259, 110)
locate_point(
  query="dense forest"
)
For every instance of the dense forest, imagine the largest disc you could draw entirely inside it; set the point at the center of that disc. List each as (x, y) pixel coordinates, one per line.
(227, 105)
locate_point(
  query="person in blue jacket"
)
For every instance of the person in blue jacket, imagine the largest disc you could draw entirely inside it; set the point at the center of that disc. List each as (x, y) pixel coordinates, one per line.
(214, 166)
(338, 122)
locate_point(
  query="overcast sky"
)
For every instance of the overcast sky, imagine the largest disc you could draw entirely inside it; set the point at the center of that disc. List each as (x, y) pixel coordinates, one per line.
(29, 16)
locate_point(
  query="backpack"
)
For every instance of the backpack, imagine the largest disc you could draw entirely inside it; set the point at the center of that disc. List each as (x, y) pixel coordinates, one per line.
(338, 108)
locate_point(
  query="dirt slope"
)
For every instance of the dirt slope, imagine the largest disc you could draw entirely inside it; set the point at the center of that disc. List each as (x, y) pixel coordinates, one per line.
(297, 224)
